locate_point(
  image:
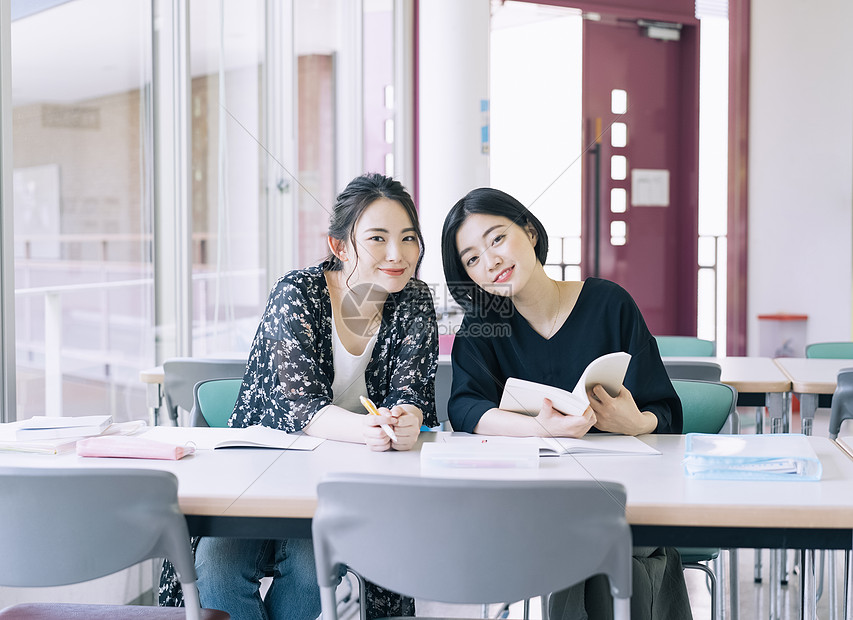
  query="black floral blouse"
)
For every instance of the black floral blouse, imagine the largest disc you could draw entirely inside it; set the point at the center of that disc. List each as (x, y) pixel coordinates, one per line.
(290, 372)
(290, 369)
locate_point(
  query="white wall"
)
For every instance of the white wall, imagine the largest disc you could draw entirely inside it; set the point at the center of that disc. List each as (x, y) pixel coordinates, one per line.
(454, 78)
(801, 165)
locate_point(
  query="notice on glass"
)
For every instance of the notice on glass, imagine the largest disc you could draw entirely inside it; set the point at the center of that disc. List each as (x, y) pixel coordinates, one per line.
(649, 188)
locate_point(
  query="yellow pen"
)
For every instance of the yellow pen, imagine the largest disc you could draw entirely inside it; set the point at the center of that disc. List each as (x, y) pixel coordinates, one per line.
(372, 410)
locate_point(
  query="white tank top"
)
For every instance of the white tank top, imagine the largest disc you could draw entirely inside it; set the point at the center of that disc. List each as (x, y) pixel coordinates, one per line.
(349, 382)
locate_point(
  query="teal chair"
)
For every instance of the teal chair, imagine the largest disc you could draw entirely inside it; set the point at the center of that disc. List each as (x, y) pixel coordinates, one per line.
(830, 350)
(214, 400)
(707, 405)
(685, 346)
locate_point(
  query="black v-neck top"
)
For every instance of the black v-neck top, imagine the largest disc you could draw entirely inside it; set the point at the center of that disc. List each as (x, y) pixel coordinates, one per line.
(495, 344)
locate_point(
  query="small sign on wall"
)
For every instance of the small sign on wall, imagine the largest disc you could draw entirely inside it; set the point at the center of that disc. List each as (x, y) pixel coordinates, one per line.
(484, 127)
(649, 188)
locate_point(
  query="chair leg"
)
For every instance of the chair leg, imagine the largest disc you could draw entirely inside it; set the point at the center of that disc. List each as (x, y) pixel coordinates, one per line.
(621, 609)
(191, 602)
(362, 595)
(734, 599)
(545, 603)
(713, 580)
(328, 603)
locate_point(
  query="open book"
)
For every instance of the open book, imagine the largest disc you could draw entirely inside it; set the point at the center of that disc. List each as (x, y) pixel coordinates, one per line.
(526, 397)
(591, 444)
(52, 427)
(250, 437)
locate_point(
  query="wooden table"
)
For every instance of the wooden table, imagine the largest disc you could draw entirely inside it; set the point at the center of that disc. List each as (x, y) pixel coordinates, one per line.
(811, 378)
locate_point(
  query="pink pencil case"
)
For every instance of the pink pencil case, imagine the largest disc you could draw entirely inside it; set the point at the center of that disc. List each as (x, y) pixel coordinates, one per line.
(131, 448)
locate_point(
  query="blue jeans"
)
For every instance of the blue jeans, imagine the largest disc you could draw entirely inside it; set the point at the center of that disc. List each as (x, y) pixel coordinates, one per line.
(230, 570)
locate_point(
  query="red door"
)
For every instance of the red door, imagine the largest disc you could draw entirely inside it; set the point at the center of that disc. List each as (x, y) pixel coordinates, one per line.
(641, 226)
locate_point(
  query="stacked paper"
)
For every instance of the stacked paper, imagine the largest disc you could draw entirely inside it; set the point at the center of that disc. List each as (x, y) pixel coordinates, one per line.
(750, 457)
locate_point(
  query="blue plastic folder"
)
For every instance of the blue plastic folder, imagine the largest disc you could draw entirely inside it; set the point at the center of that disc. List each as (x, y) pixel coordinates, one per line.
(783, 456)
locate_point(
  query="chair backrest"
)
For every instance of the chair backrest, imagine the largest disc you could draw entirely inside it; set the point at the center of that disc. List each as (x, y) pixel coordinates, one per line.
(180, 374)
(63, 526)
(443, 382)
(500, 540)
(686, 346)
(842, 402)
(830, 350)
(706, 404)
(214, 400)
(702, 371)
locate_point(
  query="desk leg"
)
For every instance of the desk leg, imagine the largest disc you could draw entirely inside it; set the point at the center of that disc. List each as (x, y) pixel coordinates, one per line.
(808, 406)
(774, 585)
(808, 598)
(777, 409)
(848, 586)
(734, 599)
(832, 590)
(153, 398)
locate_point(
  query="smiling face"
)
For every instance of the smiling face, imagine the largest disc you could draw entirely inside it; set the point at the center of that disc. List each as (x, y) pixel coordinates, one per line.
(386, 247)
(497, 254)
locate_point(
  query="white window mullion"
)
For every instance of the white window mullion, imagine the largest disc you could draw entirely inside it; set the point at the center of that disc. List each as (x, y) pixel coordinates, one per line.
(172, 181)
(7, 229)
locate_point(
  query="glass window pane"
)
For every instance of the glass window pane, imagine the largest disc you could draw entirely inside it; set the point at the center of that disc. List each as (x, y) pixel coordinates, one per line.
(707, 257)
(83, 272)
(618, 135)
(572, 250)
(618, 200)
(618, 167)
(229, 250)
(618, 101)
(378, 76)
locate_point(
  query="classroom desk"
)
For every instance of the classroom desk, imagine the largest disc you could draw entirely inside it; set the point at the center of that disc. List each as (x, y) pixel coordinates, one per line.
(270, 493)
(810, 378)
(220, 488)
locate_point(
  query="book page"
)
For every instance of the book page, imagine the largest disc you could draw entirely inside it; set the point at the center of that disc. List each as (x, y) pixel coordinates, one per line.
(599, 444)
(607, 370)
(592, 444)
(251, 437)
(526, 397)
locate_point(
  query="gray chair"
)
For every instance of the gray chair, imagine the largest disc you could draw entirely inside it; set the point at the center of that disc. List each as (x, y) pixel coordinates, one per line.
(180, 374)
(498, 541)
(842, 402)
(840, 410)
(700, 371)
(63, 526)
(443, 382)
